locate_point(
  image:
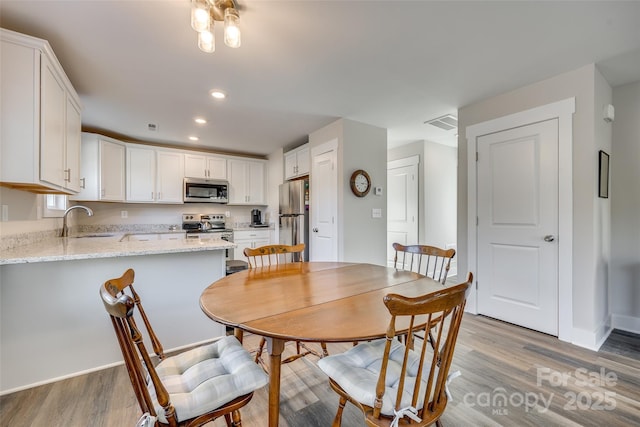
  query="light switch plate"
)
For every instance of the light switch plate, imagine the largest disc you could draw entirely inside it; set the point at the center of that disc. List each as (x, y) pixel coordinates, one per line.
(377, 191)
(376, 213)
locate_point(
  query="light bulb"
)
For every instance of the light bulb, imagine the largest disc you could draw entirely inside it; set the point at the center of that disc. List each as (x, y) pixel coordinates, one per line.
(200, 15)
(207, 41)
(231, 28)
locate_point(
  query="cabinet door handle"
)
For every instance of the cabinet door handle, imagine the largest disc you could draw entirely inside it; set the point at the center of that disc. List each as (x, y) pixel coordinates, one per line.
(83, 183)
(67, 175)
(102, 192)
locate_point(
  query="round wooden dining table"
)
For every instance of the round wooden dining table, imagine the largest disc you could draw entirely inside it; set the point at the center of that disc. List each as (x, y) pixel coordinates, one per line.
(309, 301)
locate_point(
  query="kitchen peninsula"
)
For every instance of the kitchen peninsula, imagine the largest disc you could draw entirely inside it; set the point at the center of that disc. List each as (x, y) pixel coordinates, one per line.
(53, 324)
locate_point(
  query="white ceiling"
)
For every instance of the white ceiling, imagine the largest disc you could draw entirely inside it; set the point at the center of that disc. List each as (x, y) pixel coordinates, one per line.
(303, 64)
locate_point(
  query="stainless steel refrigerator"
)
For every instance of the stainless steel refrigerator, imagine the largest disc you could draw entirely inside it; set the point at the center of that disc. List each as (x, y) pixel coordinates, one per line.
(294, 214)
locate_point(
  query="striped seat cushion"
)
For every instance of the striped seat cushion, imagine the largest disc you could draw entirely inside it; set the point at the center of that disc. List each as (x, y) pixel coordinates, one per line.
(205, 378)
(357, 371)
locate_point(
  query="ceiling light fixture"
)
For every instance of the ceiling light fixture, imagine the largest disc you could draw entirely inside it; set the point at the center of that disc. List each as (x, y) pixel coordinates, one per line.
(200, 120)
(193, 138)
(217, 94)
(204, 13)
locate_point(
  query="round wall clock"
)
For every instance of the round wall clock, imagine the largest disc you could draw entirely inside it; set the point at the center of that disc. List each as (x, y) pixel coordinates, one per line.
(360, 183)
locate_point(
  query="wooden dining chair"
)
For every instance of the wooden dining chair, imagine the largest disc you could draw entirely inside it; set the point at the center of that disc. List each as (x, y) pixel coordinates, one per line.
(427, 260)
(191, 388)
(275, 255)
(390, 382)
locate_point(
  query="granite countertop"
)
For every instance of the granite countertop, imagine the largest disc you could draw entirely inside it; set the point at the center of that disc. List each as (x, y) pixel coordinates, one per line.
(107, 245)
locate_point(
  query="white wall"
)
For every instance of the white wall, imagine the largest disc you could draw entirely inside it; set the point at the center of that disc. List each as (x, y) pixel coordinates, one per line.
(603, 95)
(440, 170)
(275, 177)
(589, 233)
(361, 238)
(24, 213)
(624, 272)
(365, 238)
(437, 184)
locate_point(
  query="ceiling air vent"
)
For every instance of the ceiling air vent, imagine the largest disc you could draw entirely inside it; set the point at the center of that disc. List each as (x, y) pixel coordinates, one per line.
(447, 123)
(152, 127)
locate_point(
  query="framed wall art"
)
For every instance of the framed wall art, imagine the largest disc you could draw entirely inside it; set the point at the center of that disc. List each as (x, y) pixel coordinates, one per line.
(603, 177)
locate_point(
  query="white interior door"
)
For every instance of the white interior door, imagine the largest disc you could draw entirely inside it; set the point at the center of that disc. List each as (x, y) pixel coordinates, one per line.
(517, 178)
(402, 203)
(323, 226)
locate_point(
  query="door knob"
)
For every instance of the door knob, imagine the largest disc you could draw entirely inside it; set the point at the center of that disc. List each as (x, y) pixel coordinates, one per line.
(549, 238)
(315, 230)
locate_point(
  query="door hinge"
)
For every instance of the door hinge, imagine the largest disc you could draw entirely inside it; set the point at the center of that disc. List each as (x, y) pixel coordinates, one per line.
(477, 221)
(477, 156)
(476, 285)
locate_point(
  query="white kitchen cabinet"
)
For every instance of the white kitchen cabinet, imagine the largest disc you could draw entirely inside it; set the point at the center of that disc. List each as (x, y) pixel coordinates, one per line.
(40, 118)
(169, 176)
(296, 162)
(246, 182)
(207, 167)
(154, 176)
(249, 239)
(102, 176)
(73, 145)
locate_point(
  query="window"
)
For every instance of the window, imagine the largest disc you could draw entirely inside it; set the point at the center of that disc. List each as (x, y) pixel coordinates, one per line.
(54, 205)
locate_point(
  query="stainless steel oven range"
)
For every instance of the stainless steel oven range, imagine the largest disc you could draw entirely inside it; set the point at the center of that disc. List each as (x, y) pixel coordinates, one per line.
(208, 226)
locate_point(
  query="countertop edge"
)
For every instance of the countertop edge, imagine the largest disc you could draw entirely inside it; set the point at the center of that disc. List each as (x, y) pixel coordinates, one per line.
(62, 250)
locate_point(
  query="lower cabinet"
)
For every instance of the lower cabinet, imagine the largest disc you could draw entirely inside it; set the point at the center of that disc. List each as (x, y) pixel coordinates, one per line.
(249, 239)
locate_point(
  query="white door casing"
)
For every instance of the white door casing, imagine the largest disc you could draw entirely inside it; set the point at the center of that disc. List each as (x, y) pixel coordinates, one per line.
(517, 178)
(402, 203)
(323, 223)
(563, 111)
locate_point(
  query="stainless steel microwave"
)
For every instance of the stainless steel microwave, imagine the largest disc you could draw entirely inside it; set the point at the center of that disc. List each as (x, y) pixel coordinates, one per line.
(205, 191)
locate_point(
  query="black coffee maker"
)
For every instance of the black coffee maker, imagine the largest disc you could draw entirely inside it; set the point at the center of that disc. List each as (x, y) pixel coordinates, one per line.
(256, 217)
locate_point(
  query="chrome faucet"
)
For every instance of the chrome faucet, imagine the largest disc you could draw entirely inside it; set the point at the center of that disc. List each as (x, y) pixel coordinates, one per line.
(65, 230)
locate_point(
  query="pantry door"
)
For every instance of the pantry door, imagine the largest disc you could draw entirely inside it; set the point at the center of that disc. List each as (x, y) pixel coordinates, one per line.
(517, 208)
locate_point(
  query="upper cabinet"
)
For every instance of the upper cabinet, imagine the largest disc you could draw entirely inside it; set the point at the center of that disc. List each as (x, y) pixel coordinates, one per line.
(296, 162)
(154, 175)
(208, 167)
(102, 176)
(246, 182)
(40, 118)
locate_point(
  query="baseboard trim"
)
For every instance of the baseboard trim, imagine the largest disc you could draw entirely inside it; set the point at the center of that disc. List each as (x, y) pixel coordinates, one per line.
(626, 323)
(592, 340)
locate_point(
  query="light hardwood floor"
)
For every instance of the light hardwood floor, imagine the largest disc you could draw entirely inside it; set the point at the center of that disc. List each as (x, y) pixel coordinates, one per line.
(510, 377)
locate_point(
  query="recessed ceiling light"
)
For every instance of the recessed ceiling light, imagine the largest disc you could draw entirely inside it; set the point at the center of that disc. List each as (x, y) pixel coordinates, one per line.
(194, 138)
(200, 120)
(218, 94)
